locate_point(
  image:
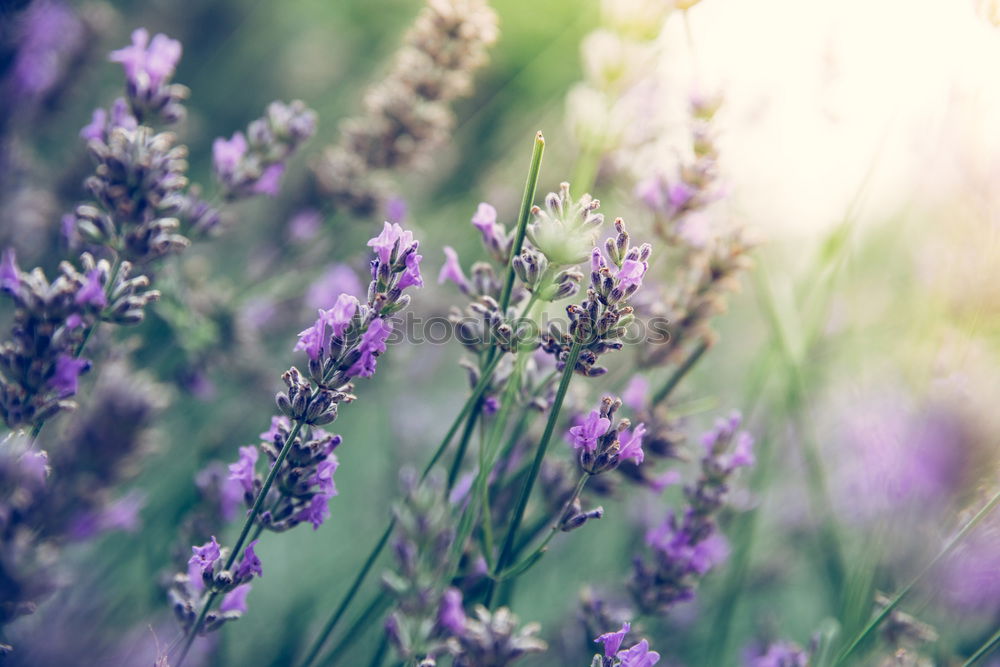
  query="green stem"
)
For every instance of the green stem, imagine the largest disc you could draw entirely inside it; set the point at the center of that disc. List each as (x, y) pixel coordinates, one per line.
(678, 375)
(550, 425)
(463, 445)
(244, 532)
(527, 198)
(948, 548)
(378, 605)
(983, 650)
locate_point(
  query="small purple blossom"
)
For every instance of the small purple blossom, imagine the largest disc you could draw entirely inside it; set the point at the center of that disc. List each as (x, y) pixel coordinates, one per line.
(65, 379)
(372, 344)
(411, 276)
(452, 269)
(250, 565)
(395, 209)
(235, 600)
(205, 556)
(636, 393)
(451, 615)
(277, 425)
(638, 656)
(781, 654)
(392, 234)
(324, 476)
(10, 274)
(269, 182)
(227, 155)
(485, 220)
(585, 435)
(315, 339)
(154, 60)
(95, 129)
(631, 272)
(316, 512)
(613, 640)
(243, 471)
(304, 226)
(92, 292)
(337, 280)
(630, 443)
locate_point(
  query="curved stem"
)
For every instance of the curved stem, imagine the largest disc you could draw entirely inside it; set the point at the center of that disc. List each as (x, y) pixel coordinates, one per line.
(948, 548)
(529, 483)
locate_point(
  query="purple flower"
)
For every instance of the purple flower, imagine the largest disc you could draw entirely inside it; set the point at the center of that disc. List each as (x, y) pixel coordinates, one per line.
(636, 394)
(98, 123)
(35, 466)
(395, 209)
(235, 600)
(65, 379)
(250, 565)
(157, 62)
(630, 444)
(304, 226)
(10, 274)
(92, 292)
(277, 425)
(781, 654)
(392, 234)
(243, 471)
(491, 404)
(451, 615)
(339, 317)
(586, 435)
(121, 115)
(316, 511)
(269, 182)
(205, 556)
(742, 455)
(631, 273)
(485, 220)
(372, 345)
(324, 476)
(227, 155)
(316, 338)
(613, 640)
(337, 280)
(639, 656)
(411, 276)
(452, 270)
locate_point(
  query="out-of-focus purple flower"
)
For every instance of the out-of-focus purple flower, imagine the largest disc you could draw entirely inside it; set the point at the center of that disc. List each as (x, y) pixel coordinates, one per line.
(98, 124)
(661, 482)
(305, 225)
(227, 154)
(395, 209)
(10, 274)
(154, 60)
(316, 512)
(970, 576)
(638, 656)
(452, 270)
(35, 467)
(92, 292)
(491, 404)
(780, 654)
(65, 379)
(243, 471)
(121, 115)
(51, 34)
(636, 394)
(122, 514)
(236, 599)
(372, 345)
(677, 544)
(630, 444)
(205, 556)
(269, 182)
(250, 565)
(392, 234)
(338, 279)
(613, 640)
(585, 435)
(451, 615)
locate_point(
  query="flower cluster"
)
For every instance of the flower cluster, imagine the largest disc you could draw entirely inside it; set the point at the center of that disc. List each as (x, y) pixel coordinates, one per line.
(638, 655)
(344, 343)
(149, 65)
(255, 162)
(685, 549)
(40, 362)
(600, 447)
(494, 639)
(425, 613)
(598, 324)
(407, 114)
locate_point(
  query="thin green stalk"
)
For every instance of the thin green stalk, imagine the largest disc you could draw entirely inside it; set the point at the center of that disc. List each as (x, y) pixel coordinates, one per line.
(522, 502)
(527, 198)
(463, 445)
(244, 532)
(668, 387)
(948, 548)
(378, 605)
(983, 650)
